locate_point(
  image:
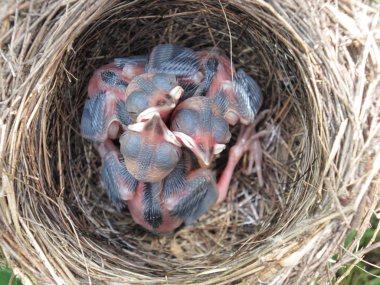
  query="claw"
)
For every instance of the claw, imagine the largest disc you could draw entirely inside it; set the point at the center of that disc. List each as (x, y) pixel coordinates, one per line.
(247, 141)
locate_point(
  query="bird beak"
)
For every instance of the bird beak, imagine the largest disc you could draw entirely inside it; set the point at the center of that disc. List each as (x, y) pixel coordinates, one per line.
(175, 94)
(152, 122)
(204, 154)
(149, 113)
(218, 148)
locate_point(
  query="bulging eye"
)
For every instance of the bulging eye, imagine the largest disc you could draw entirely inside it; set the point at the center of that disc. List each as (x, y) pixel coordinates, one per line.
(167, 156)
(164, 82)
(109, 77)
(221, 130)
(130, 145)
(185, 121)
(136, 103)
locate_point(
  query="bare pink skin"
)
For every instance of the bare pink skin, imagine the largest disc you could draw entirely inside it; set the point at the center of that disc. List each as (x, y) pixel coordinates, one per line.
(134, 202)
(114, 125)
(172, 201)
(205, 134)
(96, 83)
(136, 209)
(160, 99)
(130, 71)
(114, 94)
(224, 72)
(223, 80)
(247, 141)
(106, 147)
(153, 134)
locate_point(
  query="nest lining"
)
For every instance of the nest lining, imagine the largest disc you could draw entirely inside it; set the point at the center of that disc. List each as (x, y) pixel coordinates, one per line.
(315, 160)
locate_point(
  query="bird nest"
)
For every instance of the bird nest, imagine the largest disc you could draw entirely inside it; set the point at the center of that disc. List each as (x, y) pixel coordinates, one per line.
(318, 65)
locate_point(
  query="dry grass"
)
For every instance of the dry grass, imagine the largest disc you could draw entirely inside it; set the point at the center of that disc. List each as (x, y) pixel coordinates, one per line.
(319, 65)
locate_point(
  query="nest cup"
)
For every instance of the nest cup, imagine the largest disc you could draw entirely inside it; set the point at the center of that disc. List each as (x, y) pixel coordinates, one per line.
(319, 71)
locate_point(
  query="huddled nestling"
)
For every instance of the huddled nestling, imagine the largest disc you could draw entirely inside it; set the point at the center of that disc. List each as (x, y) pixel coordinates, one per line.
(157, 122)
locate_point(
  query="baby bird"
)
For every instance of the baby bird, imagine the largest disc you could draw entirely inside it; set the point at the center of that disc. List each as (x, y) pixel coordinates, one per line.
(182, 197)
(119, 183)
(198, 123)
(212, 74)
(151, 93)
(171, 112)
(150, 149)
(103, 113)
(237, 95)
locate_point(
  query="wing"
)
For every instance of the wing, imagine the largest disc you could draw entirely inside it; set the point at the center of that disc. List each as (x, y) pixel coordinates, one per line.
(248, 95)
(120, 184)
(151, 203)
(98, 113)
(172, 59)
(198, 196)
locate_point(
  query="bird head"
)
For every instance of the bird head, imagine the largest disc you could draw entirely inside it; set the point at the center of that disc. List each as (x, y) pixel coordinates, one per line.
(197, 122)
(150, 149)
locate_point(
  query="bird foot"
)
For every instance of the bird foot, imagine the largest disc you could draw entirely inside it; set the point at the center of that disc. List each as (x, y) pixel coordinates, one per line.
(248, 142)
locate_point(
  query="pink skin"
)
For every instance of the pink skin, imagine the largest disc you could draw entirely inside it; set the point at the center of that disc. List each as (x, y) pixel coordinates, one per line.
(153, 133)
(224, 71)
(160, 100)
(247, 141)
(172, 201)
(96, 83)
(114, 125)
(135, 205)
(130, 71)
(223, 79)
(201, 139)
(114, 93)
(106, 147)
(136, 209)
(207, 140)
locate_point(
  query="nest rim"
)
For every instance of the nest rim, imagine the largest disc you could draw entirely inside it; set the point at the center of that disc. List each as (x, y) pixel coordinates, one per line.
(51, 201)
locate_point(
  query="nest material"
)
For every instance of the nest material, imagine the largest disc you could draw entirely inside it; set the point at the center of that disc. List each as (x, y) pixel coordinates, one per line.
(318, 64)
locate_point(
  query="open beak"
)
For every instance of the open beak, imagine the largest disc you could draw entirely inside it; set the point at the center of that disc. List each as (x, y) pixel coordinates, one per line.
(175, 94)
(204, 153)
(149, 113)
(154, 123)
